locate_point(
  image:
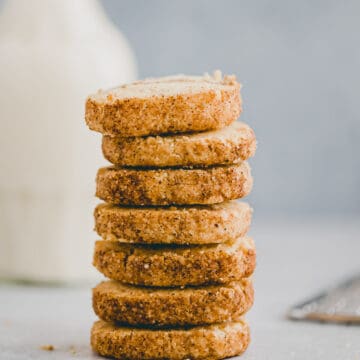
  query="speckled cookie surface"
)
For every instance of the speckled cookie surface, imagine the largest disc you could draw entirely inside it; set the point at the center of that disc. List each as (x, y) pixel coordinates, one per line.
(173, 186)
(126, 304)
(165, 105)
(198, 343)
(229, 145)
(169, 266)
(205, 224)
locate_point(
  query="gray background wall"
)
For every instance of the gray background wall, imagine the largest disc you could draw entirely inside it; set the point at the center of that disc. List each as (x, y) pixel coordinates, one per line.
(299, 62)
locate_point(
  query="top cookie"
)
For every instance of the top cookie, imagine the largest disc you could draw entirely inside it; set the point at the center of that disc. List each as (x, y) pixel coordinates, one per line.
(165, 105)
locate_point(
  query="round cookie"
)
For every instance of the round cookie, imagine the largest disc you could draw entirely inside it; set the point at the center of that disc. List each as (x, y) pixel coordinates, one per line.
(173, 186)
(126, 304)
(206, 224)
(196, 343)
(229, 145)
(170, 266)
(175, 104)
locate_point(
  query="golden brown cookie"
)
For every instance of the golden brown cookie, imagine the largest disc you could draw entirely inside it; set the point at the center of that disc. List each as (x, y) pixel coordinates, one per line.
(205, 224)
(169, 266)
(165, 105)
(196, 343)
(229, 145)
(126, 304)
(173, 186)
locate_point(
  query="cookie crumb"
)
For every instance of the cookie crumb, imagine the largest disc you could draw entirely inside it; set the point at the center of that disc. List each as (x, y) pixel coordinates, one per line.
(72, 350)
(47, 347)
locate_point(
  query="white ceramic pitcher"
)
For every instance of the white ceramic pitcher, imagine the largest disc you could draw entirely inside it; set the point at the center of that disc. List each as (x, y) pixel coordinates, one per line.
(53, 53)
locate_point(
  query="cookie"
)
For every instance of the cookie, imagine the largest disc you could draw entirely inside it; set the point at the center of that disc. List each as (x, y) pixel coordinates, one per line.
(207, 224)
(126, 304)
(174, 104)
(196, 343)
(169, 266)
(173, 186)
(229, 145)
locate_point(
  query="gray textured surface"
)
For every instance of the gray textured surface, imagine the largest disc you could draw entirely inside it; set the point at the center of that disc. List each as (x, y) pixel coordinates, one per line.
(295, 260)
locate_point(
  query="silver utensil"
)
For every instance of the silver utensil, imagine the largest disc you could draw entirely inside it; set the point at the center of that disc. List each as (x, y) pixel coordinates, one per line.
(340, 304)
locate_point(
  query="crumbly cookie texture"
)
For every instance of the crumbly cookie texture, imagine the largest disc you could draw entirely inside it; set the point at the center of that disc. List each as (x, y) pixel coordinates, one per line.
(165, 105)
(125, 304)
(229, 145)
(206, 224)
(173, 186)
(169, 266)
(196, 343)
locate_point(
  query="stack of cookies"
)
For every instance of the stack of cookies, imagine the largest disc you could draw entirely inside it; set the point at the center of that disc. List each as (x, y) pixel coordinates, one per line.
(174, 242)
